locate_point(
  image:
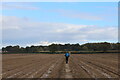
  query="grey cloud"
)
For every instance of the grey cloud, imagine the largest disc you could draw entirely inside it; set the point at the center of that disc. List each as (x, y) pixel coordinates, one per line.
(28, 31)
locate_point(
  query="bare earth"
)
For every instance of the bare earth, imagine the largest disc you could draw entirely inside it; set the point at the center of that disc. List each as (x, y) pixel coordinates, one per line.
(54, 66)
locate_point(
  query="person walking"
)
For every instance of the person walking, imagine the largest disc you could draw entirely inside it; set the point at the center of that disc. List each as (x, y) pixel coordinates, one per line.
(67, 55)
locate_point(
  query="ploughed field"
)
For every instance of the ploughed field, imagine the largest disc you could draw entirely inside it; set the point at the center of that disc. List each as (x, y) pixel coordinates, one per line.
(54, 66)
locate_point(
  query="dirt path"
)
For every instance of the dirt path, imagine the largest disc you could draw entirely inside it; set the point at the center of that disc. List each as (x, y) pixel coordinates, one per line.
(68, 73)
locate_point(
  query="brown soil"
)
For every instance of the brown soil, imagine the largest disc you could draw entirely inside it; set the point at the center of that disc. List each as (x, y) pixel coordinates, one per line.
(54, 66)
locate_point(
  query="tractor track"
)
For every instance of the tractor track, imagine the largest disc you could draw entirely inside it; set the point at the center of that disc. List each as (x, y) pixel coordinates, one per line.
(99, 68)
(83, 68)
(28, 67)
(102, 66)
(19, 69)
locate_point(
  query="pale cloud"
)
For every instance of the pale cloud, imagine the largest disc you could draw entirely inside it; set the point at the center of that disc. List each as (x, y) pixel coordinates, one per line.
(21, 5)
(78, 14)
(28, 32)
(44, 43)
(71, 28)
(11, 22)
(85, 16)
(60, 0)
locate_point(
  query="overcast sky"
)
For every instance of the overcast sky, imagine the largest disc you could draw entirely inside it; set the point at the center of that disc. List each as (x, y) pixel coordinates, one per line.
(43, 23)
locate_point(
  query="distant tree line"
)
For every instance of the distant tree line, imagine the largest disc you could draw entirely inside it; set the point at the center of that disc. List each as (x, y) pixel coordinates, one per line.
(103, 46)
